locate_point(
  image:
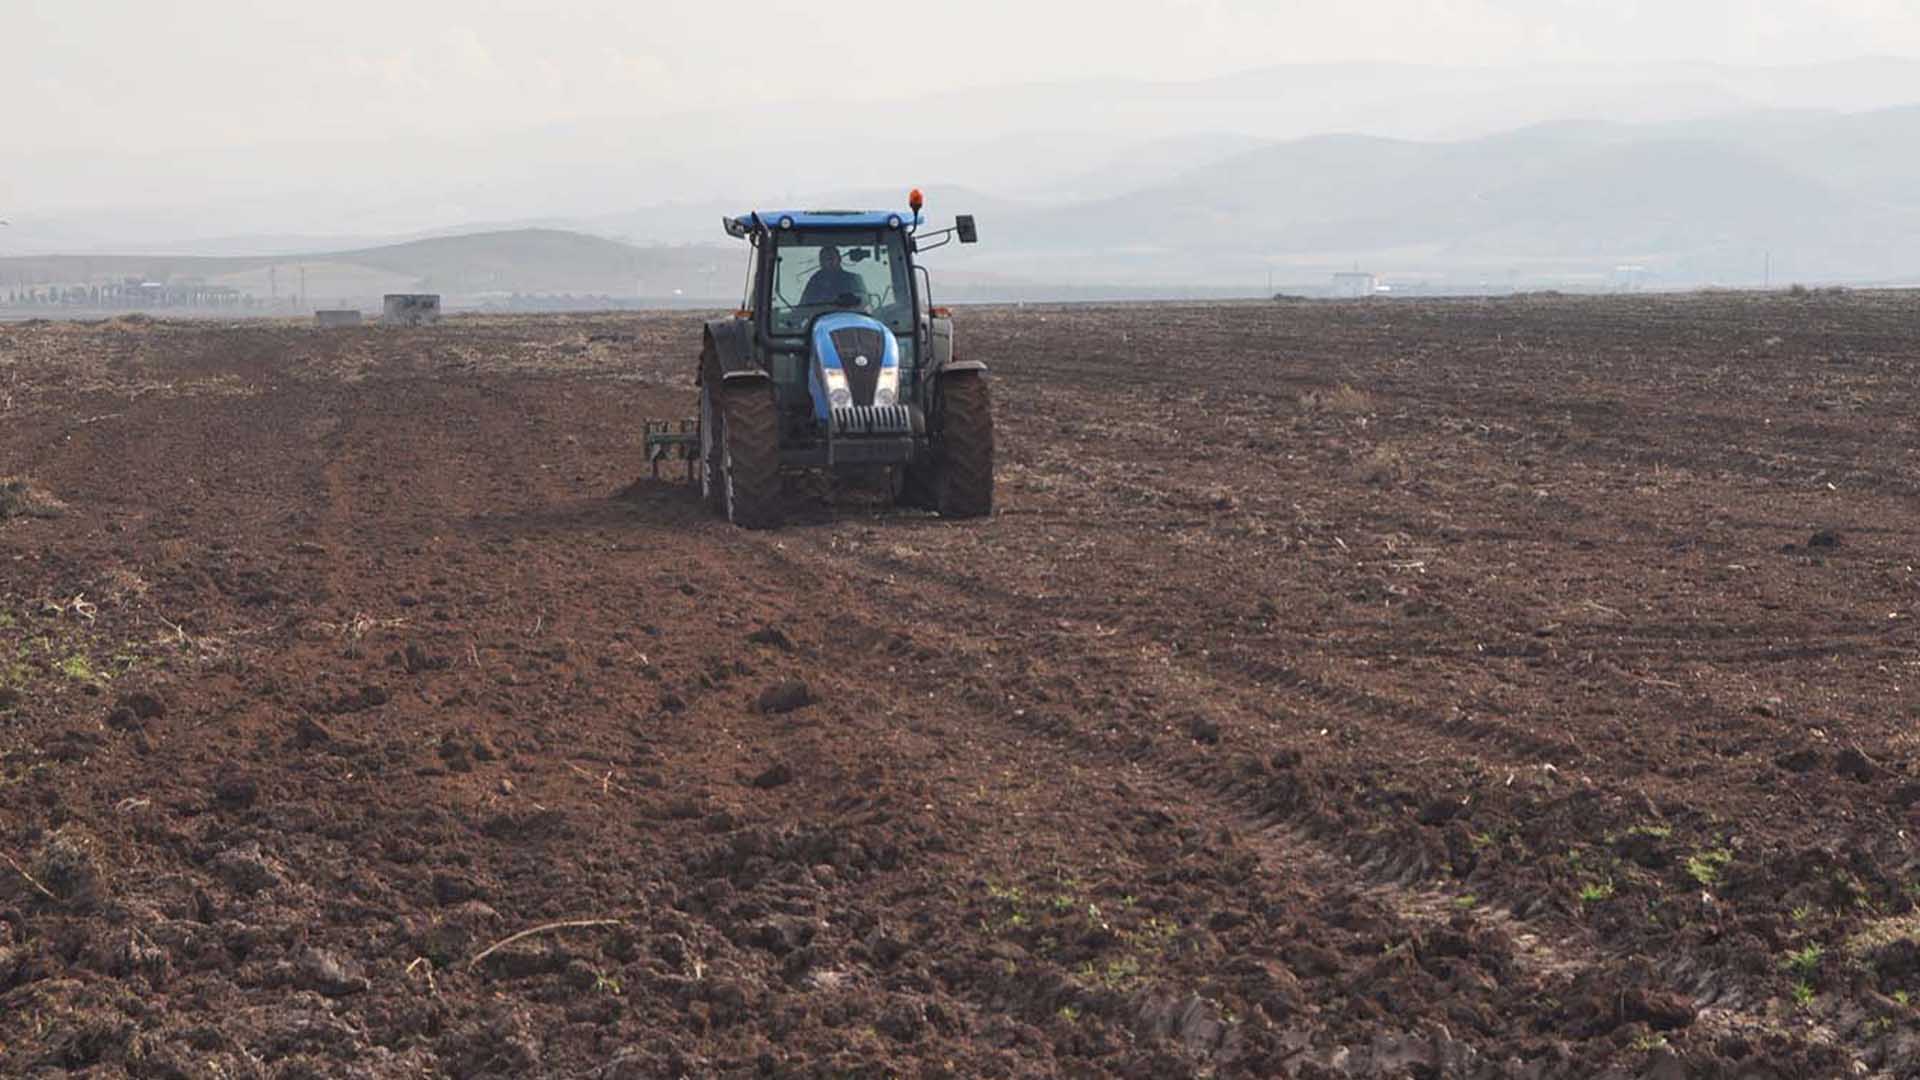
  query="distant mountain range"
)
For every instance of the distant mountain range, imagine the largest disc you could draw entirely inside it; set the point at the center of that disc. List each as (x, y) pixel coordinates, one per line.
(1825, 196)
(1696, 173)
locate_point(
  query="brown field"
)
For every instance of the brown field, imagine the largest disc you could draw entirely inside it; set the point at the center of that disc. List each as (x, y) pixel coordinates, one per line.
(1511, 688)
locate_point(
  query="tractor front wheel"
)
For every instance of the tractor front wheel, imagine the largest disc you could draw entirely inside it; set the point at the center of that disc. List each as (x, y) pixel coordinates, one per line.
(750, 451)
(964, 484)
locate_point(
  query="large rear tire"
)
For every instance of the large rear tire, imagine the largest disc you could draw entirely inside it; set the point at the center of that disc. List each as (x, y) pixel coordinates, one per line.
(964, 482)
(750, 448)
(712, 478)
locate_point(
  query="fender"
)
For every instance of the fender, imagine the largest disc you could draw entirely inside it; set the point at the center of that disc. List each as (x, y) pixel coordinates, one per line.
(953, 372)
(956, 368)
(729, 350)
(939, 341)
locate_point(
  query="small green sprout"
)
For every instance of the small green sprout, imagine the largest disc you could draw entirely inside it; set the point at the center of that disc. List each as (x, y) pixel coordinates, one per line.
(1706, 867)
(1007, 894)
(1804, 962)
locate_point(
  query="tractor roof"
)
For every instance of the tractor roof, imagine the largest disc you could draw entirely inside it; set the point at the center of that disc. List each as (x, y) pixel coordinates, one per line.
(769, 220)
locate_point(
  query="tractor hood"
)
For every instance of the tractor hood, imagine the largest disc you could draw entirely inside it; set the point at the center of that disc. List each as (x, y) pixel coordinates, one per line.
(855, 362)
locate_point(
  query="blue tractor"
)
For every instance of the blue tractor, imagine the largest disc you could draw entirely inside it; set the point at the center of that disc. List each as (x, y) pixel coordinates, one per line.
(837, 361)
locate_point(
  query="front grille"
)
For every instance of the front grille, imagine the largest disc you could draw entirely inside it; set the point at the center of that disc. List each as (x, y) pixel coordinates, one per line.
(859, 420)
(853, 343)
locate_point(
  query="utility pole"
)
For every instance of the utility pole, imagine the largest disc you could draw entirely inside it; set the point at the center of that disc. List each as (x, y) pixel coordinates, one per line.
(303, 284)
(1767, 276)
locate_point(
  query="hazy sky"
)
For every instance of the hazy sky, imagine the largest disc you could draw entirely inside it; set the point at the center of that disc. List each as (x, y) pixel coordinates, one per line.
(168, 122)
(153, 74)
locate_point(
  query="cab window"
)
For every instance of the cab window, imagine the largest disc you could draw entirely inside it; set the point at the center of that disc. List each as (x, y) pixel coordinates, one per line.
(820, 271)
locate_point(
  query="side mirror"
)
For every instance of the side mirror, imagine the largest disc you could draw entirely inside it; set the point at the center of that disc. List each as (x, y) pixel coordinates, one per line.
(963, 225)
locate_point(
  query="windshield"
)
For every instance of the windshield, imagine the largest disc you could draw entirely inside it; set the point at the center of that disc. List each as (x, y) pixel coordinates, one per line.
(820, 270)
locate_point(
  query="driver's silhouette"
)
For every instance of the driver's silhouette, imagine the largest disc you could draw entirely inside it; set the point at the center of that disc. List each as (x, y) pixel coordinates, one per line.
(831, 280)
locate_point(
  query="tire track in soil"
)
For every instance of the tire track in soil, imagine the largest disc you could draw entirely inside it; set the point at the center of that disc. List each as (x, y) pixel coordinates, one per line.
(1703, 645)
(1863, 801)
(1288, 850)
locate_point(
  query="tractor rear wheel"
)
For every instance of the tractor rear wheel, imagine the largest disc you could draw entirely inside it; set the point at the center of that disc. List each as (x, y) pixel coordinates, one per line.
(750, 451)
(712, 480)
(964, 483)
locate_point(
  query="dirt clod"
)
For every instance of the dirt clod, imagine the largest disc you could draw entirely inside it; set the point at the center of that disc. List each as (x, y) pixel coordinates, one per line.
(451, 888)
(144, 704)
(326, 972)
(1855, 765)
(246, 870)
(309, 732)
(773, 636)
(236, 788)
(1802, 760)
(785, 696)
(1660, 1010)
(69, 866)
(774, 776)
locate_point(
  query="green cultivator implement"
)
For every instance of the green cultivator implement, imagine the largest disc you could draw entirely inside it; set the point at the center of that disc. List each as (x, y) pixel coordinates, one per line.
(670, 440)
(838, 361)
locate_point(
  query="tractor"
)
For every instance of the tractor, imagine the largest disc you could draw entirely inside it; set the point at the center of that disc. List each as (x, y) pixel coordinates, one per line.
(838, 361)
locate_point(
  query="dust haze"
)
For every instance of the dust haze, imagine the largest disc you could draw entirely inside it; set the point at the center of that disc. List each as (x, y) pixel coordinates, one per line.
(1172, 149)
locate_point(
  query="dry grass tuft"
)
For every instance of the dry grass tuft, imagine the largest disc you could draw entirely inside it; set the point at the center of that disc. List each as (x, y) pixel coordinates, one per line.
(1381, 465)
(1344, 399)
(120, 586)
(20, 497)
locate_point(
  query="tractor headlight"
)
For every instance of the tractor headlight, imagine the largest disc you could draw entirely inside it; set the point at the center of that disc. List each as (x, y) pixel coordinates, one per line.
(884, 396)
(838, 395)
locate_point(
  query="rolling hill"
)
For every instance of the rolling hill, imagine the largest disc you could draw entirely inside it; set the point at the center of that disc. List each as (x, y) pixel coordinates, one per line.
(466, 269)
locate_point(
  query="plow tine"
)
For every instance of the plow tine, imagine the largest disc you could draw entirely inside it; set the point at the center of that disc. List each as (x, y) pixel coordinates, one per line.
(670, 438)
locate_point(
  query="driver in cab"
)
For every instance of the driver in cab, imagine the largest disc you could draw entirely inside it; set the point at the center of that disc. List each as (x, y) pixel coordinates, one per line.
(832, 281)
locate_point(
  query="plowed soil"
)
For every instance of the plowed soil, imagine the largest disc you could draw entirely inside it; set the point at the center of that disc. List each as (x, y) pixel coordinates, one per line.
(1518, 688)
